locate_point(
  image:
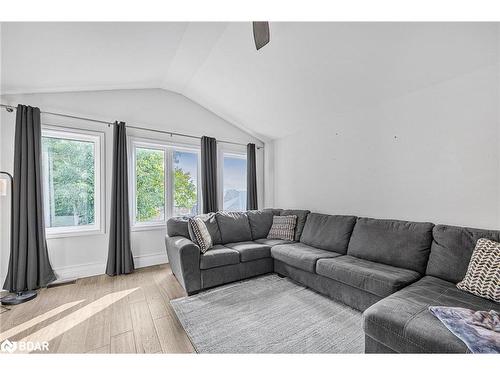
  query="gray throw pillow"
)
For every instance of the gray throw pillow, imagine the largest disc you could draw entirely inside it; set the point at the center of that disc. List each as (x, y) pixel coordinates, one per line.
(301, 220)
(283, 228)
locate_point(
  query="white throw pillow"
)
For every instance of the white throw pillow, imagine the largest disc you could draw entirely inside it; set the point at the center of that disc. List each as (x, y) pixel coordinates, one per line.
(483, 274)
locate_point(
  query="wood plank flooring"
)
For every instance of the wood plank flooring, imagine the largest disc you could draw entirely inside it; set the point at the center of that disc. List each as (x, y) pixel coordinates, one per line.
(102, 314)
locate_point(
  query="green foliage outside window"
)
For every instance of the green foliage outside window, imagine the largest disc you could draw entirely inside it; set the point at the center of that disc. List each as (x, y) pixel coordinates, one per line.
(184, 189)
(185, 194)
(71, 181)
(150, 186)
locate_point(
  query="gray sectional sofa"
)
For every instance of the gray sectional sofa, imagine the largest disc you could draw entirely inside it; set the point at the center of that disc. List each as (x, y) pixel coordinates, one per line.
(392, 270)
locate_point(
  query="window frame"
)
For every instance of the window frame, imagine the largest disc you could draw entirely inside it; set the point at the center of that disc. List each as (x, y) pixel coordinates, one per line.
(98, 140)
(223, 153)
(168, 148)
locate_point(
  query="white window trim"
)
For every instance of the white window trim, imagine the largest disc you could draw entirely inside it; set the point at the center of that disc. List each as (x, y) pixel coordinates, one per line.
(168, 148)
(99, 191)
(220, 173)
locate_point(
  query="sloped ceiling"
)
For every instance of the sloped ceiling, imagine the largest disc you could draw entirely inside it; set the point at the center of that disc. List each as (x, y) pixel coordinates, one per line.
(307, 73)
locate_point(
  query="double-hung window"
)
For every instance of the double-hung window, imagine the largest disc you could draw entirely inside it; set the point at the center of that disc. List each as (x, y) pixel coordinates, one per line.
(71, 178)
(234, 181)
(164, 182)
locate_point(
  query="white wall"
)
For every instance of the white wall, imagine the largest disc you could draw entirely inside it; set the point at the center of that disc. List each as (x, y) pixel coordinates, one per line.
(430, 155)
(157, 109)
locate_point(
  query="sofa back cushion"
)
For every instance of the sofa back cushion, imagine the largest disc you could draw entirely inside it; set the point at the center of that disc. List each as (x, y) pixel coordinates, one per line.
(234, 226)
(328, 232)
(212, 226)
(260, 222)
(397, 243)
(177, 226)
(452, 249)
(275, 211)
(301, 220)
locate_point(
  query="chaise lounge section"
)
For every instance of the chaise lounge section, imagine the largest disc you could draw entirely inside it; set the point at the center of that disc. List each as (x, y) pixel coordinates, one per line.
(402, 322)
(392, 270)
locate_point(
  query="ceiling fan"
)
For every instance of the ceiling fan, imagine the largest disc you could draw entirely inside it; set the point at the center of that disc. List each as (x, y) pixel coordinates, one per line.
(260, 34)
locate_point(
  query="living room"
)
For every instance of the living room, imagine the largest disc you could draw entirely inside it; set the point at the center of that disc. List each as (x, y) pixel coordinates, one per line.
(250, 187)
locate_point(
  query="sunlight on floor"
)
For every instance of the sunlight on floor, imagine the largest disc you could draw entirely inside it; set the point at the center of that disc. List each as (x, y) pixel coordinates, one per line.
(30, 323)
(62, 325)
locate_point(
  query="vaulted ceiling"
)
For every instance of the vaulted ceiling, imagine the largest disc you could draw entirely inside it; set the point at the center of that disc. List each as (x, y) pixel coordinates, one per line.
(307, 73)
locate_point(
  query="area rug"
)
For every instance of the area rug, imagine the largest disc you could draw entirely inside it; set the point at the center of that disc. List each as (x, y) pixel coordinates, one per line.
(269, 314)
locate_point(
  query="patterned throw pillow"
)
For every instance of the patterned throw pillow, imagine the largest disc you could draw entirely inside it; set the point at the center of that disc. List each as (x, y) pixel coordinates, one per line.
(202, 236)
(283, 228)
(483, 274)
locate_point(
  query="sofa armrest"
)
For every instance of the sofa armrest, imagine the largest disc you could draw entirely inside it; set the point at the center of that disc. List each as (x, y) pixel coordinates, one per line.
(184, 258)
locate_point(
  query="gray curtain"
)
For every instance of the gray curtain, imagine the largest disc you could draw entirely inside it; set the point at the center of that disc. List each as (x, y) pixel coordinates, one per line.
(209, 174)
(251, 178)
(29, 266)
(120, 258)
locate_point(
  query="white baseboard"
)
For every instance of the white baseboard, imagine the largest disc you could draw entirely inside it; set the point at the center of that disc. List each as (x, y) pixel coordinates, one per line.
(150, 259)
(79, 270)
(92, 269)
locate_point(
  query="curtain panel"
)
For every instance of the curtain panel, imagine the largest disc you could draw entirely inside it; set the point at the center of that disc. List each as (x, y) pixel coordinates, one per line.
(251, 178)
(209, 174)
(120, 259)
(29, 265)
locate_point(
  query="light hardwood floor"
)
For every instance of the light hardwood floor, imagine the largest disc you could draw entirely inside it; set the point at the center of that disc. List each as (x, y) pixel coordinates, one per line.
(102, 314)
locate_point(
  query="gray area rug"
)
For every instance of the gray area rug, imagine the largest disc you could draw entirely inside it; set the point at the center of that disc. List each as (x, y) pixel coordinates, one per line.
(269, 314)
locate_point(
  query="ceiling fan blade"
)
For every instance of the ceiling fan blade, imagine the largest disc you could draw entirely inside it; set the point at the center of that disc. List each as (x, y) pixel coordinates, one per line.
(260, 34)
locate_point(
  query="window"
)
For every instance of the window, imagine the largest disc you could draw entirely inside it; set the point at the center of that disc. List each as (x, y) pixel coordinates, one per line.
(234, 182)
(71, 171)
(185, 183)
(150, 185)
(165, 182)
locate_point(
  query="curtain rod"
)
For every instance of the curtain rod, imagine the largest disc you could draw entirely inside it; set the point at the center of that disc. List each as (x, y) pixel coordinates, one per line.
(11, 108)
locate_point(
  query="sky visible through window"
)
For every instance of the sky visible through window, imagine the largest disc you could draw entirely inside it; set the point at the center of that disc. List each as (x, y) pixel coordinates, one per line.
(235, 183)
(188, 162)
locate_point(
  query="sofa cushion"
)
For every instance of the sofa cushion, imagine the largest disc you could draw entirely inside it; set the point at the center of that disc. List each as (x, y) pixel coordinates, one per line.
(260, 223)
(397, 243)
(328, 232)
(301, 220)
(376, 278)
(300, 255)
(212, 226)
(178, 226)
(275, 211)
(233, 226)
(404, 323)
(250, 250)
(272, 242)
(452, 249)
(219, 256)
